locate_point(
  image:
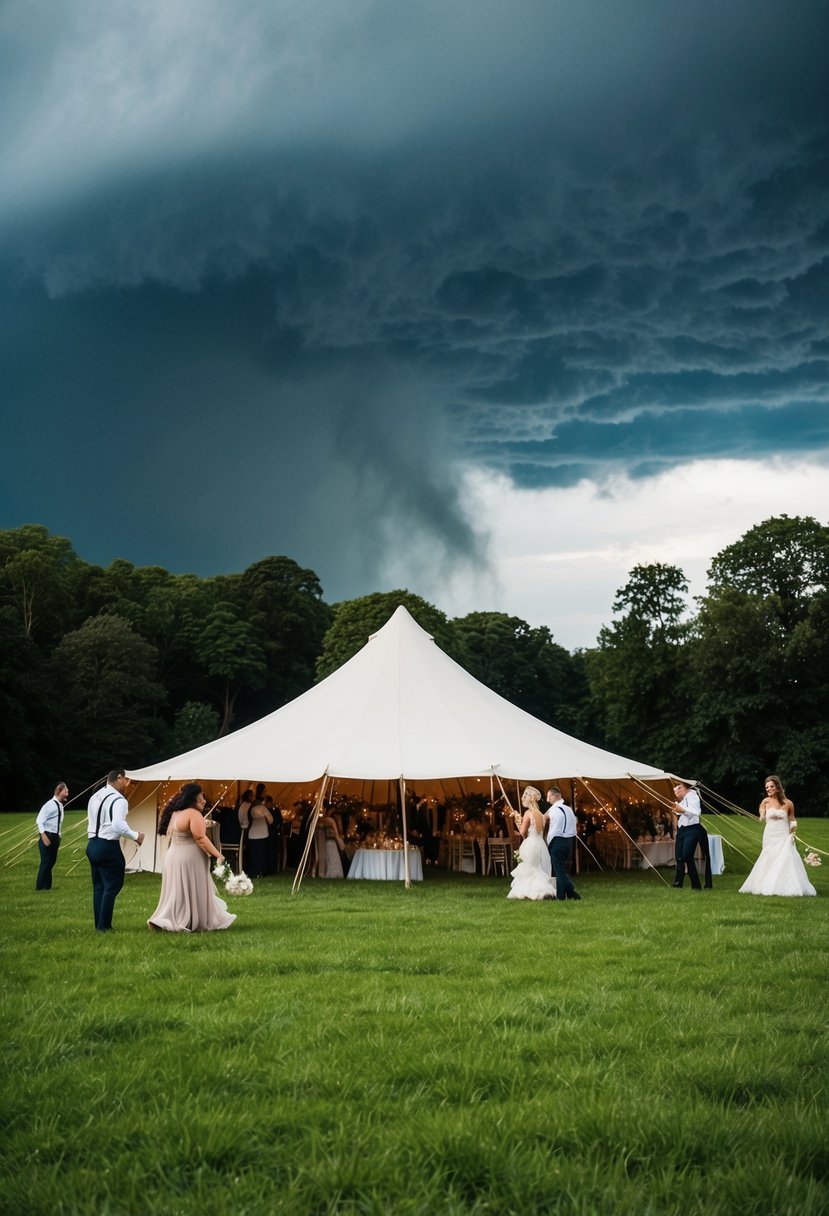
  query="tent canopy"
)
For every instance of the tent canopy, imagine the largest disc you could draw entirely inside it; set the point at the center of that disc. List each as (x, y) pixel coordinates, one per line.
(400, 707)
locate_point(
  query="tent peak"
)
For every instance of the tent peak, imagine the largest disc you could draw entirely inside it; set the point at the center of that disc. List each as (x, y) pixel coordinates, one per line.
(399, 620)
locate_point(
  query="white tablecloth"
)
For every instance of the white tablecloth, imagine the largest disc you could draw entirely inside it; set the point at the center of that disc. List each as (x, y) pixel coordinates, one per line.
(385, 864)
(717, 861)
(655, 853)
(661, 853)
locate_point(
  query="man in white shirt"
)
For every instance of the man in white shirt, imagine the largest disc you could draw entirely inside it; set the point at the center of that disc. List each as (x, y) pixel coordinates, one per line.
(49, 825)
(561, 836)
(687, 810)
(107, 823)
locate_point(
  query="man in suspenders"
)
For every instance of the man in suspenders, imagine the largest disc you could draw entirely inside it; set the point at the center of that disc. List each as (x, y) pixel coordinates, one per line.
(49, 824)
(107, 823)
(562, 830)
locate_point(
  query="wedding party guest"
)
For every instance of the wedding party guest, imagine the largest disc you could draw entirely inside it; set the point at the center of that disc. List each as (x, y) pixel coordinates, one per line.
(687, 810)
(274, 836)
(188, 902)
(243, 809)
(562, 829)
(49, 825)
(778, 870)
(329, 846)
(106, 825)
(532, 877)
(258, 852)
(420, 832)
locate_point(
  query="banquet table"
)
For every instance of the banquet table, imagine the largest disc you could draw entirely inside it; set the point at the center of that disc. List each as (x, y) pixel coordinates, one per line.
(655, 853)
(386, 864)
(661, 853)
(717, 859)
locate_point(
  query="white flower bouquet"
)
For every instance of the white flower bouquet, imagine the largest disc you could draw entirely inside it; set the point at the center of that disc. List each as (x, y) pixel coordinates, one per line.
(234, 884)
(812, 859)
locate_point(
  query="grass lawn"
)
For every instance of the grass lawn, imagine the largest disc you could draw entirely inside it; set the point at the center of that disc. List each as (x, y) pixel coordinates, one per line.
(363, 1049)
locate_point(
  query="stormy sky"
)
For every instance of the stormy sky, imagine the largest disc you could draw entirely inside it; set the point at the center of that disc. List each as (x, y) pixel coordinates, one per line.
(490, 300)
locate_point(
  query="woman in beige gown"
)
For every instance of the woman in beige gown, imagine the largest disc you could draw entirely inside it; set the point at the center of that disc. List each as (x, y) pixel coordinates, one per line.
(329, 845)
(188, 902)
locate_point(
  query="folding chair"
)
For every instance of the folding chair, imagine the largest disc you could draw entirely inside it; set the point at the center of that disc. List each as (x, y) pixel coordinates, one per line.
(498, 860)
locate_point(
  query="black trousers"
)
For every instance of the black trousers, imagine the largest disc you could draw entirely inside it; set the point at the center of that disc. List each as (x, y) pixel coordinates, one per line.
(560, 848)
(258, 858)
(107, 864)
(48, 857)
(685, 845)
(704, 844)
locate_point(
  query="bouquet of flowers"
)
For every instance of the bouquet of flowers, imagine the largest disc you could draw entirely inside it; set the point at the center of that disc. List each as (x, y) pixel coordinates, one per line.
(812, 859)
(234, 884)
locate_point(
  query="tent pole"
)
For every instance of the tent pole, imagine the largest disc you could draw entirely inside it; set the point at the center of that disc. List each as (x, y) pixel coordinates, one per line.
(155, 833)
(509, 819)
(312, 823)
(573, 805)
(406, 876)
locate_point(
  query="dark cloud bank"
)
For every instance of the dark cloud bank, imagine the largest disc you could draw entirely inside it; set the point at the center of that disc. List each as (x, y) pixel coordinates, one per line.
(547, 255)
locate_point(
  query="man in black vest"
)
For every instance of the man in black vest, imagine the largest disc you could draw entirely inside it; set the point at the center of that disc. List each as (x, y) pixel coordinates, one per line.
(107, 823)
(689, 834)
(49, 824)
(561, 838)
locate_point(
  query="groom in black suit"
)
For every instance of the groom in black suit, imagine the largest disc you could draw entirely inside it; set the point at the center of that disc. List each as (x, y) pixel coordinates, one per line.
(561, 837)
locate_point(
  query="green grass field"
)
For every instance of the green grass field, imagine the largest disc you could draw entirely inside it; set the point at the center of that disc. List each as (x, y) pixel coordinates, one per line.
(360, 1048)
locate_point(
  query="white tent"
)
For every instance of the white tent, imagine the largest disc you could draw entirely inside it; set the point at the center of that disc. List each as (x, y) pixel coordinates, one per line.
(400, 710)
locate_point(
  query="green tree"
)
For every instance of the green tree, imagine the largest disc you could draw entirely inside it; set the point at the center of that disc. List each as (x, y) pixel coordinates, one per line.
(356, 620)
(637, 676)
(784, 557)
(27, 716)
(231, 654)
(524, 665)
(195, 724)
(165, 609)
(762, 700)
(737, 671)
(284, 604)
(36, 578)
(760, 661)
(109, 698)
(656, 595)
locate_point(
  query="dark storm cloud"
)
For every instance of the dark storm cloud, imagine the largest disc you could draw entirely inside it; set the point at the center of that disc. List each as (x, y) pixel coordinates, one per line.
(646, 445)
(270, 273)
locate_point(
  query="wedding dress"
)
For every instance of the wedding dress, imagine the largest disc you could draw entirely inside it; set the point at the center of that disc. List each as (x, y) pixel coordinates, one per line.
(531, 878)
(778, 870)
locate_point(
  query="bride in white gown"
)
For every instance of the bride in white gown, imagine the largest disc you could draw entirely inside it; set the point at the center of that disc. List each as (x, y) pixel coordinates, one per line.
(532, 877)
(778, 870)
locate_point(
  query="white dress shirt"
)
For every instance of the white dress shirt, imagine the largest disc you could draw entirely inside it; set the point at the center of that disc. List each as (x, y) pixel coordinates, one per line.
(562, 820)
(113, 817)
(51, 813)
(690, 816)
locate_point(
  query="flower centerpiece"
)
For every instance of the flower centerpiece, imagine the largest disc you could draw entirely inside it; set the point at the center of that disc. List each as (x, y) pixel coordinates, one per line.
(234, 884)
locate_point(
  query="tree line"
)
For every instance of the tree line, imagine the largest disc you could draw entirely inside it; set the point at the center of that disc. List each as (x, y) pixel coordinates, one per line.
(130, 664)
